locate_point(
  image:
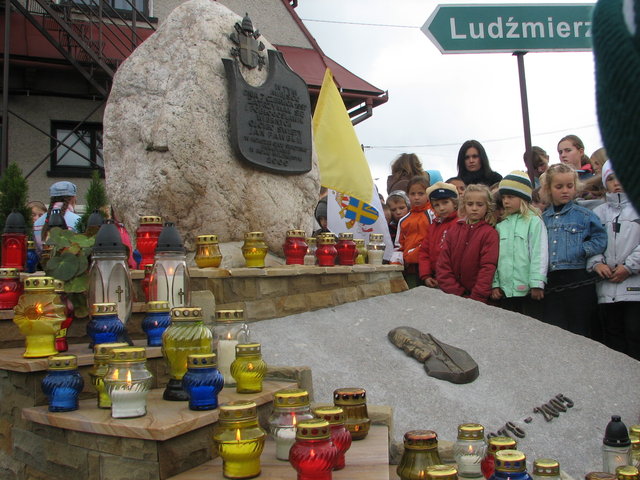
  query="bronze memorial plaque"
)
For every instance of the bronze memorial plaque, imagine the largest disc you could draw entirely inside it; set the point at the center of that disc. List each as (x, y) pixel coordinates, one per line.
(271, 124)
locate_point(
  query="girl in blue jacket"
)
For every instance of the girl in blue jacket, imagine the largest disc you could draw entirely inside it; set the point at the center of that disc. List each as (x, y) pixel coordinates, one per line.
(518, 284)
(575, 233)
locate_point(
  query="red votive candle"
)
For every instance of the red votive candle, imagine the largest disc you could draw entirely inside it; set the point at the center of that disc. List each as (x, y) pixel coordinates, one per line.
(347, 251)
(313, 455)
(326, 252)
(295, 247)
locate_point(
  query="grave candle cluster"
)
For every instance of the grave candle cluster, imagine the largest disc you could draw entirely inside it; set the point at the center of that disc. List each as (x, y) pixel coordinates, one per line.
(290, 406)
(230, 330)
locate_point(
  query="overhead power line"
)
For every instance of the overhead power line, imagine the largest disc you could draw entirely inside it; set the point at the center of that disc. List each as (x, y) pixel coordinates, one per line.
(493, 140)
(359, 23)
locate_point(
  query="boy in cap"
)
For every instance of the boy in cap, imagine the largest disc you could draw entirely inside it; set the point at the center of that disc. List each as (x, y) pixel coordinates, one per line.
(63, 197)
(444, 203)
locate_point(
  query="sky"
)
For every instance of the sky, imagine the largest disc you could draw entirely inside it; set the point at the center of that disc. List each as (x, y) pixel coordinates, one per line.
(437, 101)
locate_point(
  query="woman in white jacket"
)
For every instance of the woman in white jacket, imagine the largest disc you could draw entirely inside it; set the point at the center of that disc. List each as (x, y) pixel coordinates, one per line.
(619, 268)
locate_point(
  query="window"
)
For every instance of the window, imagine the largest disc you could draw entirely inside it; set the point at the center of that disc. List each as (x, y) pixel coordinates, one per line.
(75, 152)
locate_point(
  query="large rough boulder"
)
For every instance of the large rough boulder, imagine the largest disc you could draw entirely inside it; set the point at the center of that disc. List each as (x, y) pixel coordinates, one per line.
(166, 138)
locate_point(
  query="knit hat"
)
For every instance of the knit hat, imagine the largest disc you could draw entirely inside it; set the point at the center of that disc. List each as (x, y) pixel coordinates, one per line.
(440, 190)
(517, 183)
(607, 169)
(63, 189)
(321, 209)
(402, 194)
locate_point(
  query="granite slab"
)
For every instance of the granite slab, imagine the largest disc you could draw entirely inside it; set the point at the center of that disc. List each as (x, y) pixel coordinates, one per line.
(522, 364)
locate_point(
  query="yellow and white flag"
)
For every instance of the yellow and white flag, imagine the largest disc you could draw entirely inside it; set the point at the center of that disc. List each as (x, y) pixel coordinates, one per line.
(342, 164)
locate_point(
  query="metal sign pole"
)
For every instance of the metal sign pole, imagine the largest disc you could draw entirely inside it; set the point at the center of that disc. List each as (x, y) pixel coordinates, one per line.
(528, 154)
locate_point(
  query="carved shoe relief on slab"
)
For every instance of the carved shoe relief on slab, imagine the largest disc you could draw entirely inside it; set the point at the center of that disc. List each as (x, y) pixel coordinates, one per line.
(441, 360)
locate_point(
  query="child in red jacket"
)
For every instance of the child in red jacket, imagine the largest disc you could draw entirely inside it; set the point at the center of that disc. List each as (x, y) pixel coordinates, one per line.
(412, 229)
(469, 258)
(444, 203)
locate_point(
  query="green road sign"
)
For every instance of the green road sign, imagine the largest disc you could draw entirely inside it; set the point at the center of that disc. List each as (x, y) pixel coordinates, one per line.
(510, 28)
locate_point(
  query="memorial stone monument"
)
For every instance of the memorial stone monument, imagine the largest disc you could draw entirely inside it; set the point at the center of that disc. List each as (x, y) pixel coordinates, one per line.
(175, 145)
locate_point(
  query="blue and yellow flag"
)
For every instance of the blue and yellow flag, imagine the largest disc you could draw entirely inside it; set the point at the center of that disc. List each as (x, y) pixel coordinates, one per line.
(343, 166)
(360, 212)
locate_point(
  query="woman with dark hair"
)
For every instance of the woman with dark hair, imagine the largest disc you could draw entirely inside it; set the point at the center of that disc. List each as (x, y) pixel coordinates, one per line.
(473, 165)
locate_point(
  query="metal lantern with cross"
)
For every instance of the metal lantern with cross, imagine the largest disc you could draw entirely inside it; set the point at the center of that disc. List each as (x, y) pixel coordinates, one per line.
(170, 280)
(109, 276)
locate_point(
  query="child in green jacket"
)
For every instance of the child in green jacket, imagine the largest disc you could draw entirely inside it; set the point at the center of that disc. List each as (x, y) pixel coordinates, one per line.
(518, 284)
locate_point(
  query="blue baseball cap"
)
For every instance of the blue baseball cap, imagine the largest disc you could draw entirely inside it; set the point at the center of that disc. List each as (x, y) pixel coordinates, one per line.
(63, 189)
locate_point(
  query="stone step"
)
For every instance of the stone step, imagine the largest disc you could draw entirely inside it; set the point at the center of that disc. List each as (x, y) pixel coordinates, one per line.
(367, 459)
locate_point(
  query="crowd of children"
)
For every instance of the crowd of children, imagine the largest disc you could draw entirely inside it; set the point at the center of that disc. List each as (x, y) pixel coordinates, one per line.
(546, 252)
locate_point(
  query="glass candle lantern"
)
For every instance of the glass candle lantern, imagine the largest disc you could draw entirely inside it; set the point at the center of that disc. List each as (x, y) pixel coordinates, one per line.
(14, 242)
(109, 276)
(239, 440)
(230, 329)
(39, 314)
(469, 449)
(254, 250)
(634, 432)
(63, 383)
(128, 382)
(101, 356)
(511, 465)
(248, 369)
(32, 257)
(313, 455)
(10, 288)
(310, 256)
(628, 472)
(354, 403)
(442, 472)
(635, 452)
(156, 321)
(546, 469)
(170, 279)
(346, 247)
(104, 326)
(616, 446)
(326, 252)
(208, 251)
(94, 222)
(290, 406)
(361, 248)
(375, 249)
(295, 248)
(420, 452)
(187, 335)
(147, 237)
(496, 444)
(61, 344)
(202, 382)
(340, 436)
(146, 282)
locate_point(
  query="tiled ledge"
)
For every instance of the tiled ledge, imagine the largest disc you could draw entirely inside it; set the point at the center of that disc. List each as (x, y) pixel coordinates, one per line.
(12, 359)
(164, 419)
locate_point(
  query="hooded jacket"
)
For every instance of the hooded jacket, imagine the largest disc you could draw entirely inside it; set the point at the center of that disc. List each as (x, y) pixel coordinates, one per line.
(433, 244)
(412, 230)
(468, 260)
(622, 224)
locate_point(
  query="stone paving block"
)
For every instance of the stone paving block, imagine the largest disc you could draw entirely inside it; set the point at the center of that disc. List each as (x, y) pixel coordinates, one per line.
(331, 280)
(118, 468)
(344, 295)
(272, 287)
(293, 304)
(259, 309)
(239, 289)
(354, 278)
(318, 300)
(188, 451)
(364, 268)
(248, 272)
(371, 290)
(283, 271)
(398, 284)
(304, 284)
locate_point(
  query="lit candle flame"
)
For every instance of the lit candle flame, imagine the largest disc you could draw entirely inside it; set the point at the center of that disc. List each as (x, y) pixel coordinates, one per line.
(129, 378)
(238, 435)
(421, 473)
(39, 308)
(470, 449)
(294, 421)
(228, 335)
(312, 453)
(250, 366)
